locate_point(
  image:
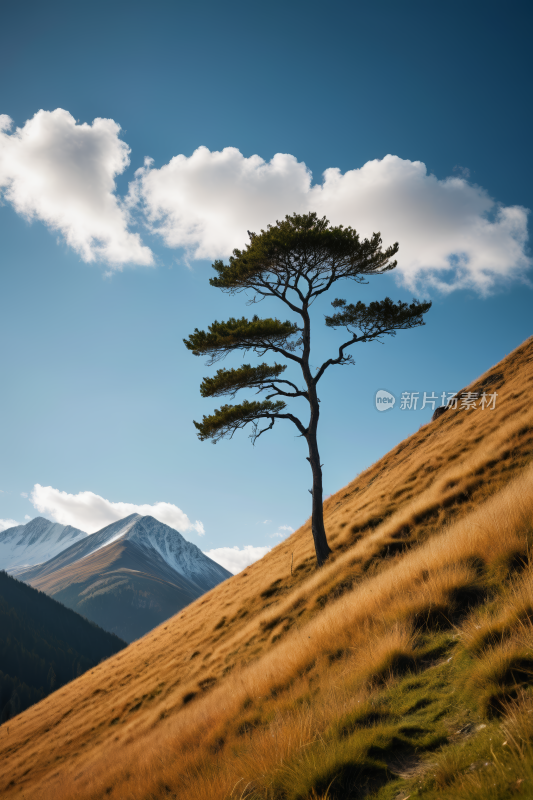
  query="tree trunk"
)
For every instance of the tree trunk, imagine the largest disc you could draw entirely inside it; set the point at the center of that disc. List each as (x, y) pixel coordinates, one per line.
(322, 548)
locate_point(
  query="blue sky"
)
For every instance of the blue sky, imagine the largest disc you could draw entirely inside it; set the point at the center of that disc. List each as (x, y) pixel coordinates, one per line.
(105, 259)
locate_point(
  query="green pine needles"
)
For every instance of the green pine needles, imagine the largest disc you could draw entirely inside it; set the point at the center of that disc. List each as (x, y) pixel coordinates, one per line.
(228, 419)
(229, 381)
(256, 334)
(294, 261)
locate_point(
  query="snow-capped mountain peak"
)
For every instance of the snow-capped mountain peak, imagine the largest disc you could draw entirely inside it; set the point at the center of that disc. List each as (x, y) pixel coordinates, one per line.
(150, 534)
(42, 541)
(180, 554)
(38, 541)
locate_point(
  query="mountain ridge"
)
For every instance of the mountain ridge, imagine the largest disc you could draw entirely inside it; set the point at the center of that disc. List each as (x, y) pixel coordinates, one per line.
(128, 577)
(179, 554)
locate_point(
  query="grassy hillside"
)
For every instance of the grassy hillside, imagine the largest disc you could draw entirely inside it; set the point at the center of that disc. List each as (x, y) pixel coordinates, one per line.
(401, 668)
(43, 645)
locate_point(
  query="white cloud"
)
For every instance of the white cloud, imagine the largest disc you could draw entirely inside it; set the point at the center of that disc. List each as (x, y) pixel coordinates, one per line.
(235, 559)
(281, 532)
(24, 494)
(7, 523)
(90, 512)
(266, 521)
(452, 234)
(27, 516)
(464, 172)
(202, 202)
(63, 173)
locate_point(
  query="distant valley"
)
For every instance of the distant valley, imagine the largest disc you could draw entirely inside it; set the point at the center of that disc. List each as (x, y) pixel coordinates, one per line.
(128, 577)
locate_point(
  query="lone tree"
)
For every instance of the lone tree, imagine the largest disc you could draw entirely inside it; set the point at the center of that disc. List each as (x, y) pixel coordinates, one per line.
(294, 261)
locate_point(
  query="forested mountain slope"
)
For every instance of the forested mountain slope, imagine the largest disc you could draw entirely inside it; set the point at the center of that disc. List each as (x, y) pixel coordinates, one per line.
(402, 667)
(43, 646)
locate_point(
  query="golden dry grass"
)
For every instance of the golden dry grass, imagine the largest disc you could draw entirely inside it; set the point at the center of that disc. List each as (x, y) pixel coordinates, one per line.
(225, 698)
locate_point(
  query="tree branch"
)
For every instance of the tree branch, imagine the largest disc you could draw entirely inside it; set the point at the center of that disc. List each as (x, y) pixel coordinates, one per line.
(284, 353)
(254, 436)
(295, 421)
(297, 392)
(277, 391)
(341, 359)
(226, 420)
(273, 291)
(378, 319)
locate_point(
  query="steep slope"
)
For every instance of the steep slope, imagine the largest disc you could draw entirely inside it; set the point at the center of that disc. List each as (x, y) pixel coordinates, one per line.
(43, 645)
(35, 542)
(280, 683)
(128, 577)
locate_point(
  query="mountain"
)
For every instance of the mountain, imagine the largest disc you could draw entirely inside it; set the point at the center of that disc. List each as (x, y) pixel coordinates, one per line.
(43, 646)
(403, 667)
(151, 536)
(35, 542)
(128, 577)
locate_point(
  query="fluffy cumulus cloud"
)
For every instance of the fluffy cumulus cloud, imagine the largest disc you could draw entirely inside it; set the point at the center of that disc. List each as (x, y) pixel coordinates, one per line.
(235, 559)
(7, 523)
(89, 512)
(452, 234)
(63, 173)
(202, 202)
